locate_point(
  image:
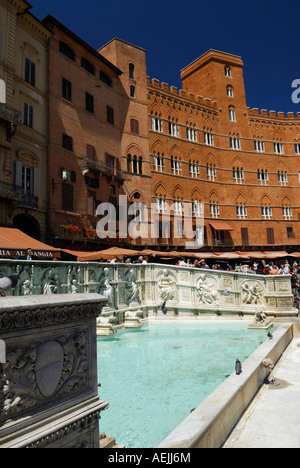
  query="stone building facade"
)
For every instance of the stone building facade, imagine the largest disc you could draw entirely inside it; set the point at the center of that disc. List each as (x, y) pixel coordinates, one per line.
(238, 166)
(23, 119)
(112, 131)
(98, 135)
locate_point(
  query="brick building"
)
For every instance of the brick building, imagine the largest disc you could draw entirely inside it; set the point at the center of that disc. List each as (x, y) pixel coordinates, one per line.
(239, 167)
(113, 131)
(98, 137)
(23, 119)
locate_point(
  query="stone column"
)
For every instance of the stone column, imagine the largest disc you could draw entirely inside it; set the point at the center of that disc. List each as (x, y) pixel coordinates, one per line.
(48, 384)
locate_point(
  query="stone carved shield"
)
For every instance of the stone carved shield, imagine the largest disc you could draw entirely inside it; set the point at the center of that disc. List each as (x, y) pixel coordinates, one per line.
(48, 367)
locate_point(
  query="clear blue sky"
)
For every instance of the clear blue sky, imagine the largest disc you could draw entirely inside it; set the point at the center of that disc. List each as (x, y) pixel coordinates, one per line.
(265, 33)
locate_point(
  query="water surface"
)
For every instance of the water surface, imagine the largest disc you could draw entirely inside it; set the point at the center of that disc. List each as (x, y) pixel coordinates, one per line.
(154, 377)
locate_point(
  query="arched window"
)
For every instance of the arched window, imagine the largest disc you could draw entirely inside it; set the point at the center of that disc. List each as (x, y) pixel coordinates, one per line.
(132, 91)
(229, 91)
(191, 133)
(262, 176)
(158, 162)
(241, 210)
(173, 127)
(228, 71)
(232, 116)
(238, 174)
(287, 211)
(105, 79)
(131, 71)
(266, 211)
(211, 171)
(87, 66)
(129, 163)
(156, 122)
(140, 165)
(66, 50)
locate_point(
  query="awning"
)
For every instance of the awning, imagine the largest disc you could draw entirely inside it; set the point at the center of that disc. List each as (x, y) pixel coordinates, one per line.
(14, 244)
(198, 255)
(274, 254)
(253, 254)
(295, 254)
(220, 226)
(232, 255)
(107, 254)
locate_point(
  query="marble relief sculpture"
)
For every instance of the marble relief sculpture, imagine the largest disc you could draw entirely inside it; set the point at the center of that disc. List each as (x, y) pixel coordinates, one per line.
(206, 291)
(50, 282)
(131, 287)
(252, 293)
(106, 287)
(167, 286)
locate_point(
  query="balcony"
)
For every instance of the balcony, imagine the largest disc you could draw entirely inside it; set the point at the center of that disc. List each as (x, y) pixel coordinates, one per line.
(9, 114)
(104, 170)
(11, 119)
(10, 191)
(93, 165)
(29, 201)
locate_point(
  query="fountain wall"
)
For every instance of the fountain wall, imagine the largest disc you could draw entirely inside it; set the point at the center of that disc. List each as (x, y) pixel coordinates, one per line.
(155, 289)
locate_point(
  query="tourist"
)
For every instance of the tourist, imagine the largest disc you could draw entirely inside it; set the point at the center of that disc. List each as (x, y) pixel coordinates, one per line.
(286, 269)
(29, 255)
(203, 264)
(275, 270)
(145, 261)
(255, 268)
(295, 287)
(182, 263)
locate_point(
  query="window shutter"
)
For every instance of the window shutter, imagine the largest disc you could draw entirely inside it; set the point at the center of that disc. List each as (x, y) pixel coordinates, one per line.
(245, 237)
(270, 235)
(18, 178)
(91, 152)
(36, 182)
(67, 197)
(2, 92)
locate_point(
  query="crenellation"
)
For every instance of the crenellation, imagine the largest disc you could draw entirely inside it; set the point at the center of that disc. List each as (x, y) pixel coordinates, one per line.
(155, 82)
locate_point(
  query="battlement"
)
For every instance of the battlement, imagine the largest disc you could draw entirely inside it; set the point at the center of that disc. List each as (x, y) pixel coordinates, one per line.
(181, 94)
(263, 113)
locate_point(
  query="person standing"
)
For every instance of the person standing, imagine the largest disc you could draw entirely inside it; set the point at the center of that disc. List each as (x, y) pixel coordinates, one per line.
(295, 287)
(29, 255)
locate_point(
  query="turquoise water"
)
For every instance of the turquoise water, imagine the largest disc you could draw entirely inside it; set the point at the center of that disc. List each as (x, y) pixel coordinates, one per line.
(154, 377)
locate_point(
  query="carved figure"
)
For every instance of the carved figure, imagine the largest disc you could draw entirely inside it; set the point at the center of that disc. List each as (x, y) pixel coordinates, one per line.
(50, 282)
(27, 288)
(106, 287)
(74, 287)
(252, 293)
(260, 317)
(167, 287)
(205, 291)
(131, 287)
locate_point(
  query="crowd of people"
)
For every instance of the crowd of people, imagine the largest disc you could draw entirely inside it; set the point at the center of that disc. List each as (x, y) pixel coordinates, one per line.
(255, 268)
